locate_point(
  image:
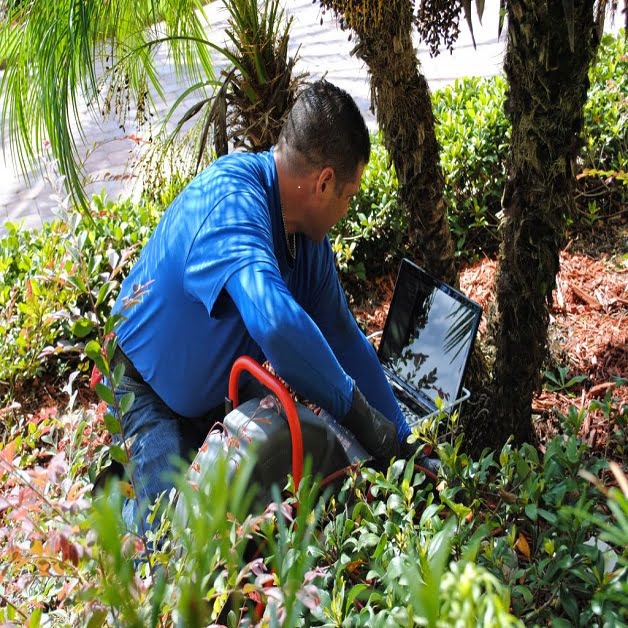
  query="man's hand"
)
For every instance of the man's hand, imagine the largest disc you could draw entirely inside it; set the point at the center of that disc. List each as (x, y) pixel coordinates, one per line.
(375, 432)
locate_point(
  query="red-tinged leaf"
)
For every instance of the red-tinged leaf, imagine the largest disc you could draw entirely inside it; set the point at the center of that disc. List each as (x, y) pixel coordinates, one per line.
(95, 378)
(66, 589)
(53, 544)
(57, 468)
(253, 595)
(43, 566)
(317, 572)
(71, 552)
(7, 454)
(4, 504)
(310, 596)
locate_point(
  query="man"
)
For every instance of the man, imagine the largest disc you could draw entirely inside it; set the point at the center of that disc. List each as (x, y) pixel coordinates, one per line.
(240, 265)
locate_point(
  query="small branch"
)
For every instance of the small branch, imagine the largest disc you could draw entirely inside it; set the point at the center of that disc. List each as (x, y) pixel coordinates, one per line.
(13, 606)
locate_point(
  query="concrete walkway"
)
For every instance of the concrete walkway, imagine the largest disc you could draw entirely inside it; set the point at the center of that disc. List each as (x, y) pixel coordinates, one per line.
(323, 49)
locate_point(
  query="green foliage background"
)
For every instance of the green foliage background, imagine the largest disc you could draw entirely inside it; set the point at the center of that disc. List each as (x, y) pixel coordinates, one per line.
(474, 136)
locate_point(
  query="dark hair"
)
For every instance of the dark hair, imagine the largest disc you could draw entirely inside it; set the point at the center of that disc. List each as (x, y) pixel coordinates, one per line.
(325, 127)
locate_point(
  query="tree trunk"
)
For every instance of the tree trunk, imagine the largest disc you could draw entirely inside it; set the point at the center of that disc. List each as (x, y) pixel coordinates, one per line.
(401, 98)
(547, 90)
(403, 106)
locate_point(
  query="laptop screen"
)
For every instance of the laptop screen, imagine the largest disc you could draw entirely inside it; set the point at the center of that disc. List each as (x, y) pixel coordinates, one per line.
(428, 334)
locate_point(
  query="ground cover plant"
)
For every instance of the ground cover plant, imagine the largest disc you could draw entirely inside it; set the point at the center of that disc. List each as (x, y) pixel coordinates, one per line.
(520, 535)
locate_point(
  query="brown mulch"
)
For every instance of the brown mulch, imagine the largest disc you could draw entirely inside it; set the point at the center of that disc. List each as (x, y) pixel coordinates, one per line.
(588, 334)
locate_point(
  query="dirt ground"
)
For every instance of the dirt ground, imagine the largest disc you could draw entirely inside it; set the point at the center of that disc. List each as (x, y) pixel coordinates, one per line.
(588, 333)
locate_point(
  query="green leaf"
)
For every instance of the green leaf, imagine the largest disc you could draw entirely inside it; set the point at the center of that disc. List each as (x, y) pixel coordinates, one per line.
(105, 289)
(548, 516)
(353, 594)
(78, 283)
(524, 592)
(531, 511)
(112, 424)
(118, 454)
(92, 350)
(34, 620)
(97, 618)
(569, 603)
(429, 513)
(116, 375)
(105, 393)
(126, 402)
(82, 327)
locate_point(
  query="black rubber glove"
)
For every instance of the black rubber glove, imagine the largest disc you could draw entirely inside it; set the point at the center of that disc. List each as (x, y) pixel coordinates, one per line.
(375, 432)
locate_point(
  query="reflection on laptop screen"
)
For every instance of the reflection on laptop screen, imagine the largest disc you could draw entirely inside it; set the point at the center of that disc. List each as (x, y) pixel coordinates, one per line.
(429, 333)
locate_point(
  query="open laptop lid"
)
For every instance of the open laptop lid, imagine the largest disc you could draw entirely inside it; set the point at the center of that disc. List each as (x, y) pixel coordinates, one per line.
(428, 336)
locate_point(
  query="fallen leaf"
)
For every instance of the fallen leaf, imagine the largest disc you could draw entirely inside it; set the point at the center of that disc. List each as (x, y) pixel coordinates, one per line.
(522, 546)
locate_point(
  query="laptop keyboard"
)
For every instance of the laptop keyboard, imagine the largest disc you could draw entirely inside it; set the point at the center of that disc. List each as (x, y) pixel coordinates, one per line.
(412, 417)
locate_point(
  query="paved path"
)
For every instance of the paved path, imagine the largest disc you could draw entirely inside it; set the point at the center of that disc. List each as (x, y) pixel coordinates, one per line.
(323, 50)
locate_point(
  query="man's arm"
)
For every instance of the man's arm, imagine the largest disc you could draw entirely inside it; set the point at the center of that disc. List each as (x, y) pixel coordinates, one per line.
(355, 353)
(289, 338)
(300, 354)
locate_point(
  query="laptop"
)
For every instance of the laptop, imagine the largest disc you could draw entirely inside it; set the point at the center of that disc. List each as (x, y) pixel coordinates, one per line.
(426, 343)
(424, 350)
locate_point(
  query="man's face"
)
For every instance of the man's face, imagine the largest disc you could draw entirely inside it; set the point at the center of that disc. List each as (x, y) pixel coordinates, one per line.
(332, 206)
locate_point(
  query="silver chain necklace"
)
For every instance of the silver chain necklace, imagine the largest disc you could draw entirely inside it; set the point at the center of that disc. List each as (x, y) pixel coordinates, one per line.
(291, 240)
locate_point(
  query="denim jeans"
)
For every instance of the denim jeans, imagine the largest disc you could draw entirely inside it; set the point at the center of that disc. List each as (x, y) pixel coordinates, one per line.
(158, 439)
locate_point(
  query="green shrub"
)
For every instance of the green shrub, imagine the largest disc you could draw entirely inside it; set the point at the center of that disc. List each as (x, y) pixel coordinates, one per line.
(45, 308)
(606, 109)
(516, 536)
(603, 165)
(474, 135)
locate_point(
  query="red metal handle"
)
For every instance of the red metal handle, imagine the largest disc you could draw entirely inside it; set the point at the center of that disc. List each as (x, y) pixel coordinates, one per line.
(246, 363)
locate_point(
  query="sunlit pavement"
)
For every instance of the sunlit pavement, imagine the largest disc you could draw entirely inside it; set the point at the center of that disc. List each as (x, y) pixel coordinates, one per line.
(108, 148)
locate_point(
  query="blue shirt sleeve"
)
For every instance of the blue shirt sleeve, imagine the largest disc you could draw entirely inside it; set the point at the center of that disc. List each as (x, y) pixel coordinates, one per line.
(330, 311)
(289, 338)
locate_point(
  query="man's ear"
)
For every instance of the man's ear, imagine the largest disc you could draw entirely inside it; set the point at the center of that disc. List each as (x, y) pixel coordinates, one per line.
(326, 180)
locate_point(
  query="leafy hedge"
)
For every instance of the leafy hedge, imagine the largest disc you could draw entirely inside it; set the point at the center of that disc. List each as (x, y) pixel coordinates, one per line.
(45, 294)
(514, 538)
(474, 135)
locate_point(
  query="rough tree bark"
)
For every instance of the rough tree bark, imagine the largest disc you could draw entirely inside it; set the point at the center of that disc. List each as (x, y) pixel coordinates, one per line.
(548, 83)
(401, 98)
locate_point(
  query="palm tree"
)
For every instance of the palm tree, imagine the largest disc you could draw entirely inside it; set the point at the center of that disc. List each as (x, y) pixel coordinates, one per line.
(550, 48)
(104, 52)
(401, 97)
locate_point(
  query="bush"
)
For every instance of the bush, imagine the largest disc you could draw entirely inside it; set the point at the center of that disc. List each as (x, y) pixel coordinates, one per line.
(603, 164)
(516, 536)
(45, 302)
(474, 135)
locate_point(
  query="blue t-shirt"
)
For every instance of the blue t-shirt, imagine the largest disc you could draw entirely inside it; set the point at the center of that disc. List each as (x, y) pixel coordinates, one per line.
(218, 284)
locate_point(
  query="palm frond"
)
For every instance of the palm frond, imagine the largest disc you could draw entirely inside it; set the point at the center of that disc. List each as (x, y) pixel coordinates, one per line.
(55, 52)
